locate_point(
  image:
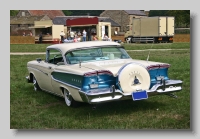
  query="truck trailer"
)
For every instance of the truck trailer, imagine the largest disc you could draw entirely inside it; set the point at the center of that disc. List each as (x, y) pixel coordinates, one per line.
(151, 29)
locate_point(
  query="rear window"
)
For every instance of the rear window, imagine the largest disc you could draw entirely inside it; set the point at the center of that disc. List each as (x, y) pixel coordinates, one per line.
(96, 54)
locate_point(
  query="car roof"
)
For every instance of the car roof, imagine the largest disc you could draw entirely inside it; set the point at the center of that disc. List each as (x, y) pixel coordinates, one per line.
(64, 47)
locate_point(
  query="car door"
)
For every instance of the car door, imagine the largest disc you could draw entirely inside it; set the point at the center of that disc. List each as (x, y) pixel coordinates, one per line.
(53, 56)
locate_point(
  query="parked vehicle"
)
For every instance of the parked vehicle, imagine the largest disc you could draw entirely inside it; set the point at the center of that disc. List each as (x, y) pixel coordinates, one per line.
(98, 71)
(151, 29)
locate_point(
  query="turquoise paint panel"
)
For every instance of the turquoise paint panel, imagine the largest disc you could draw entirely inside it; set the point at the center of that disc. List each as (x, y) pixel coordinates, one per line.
(158, 72)
(104, 81)
(72, 79)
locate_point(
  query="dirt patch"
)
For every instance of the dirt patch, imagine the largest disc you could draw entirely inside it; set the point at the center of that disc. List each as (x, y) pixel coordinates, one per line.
(181, 38)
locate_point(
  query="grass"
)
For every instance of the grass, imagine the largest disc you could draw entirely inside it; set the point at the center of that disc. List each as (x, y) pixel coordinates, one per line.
(136, 46)
(42, 47)
(28, 47)
(41, 110)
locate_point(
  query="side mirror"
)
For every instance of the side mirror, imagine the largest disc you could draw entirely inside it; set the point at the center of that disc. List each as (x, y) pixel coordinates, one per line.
(38, 60)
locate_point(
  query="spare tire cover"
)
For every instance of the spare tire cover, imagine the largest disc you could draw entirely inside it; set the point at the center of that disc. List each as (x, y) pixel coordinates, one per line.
(133, 77)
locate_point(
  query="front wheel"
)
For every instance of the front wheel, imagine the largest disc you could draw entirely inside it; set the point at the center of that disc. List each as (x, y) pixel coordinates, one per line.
(35, 84)
(69, 99)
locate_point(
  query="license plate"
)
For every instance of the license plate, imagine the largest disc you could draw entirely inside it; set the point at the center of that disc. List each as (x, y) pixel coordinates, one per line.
(159, 78)
(139, 95)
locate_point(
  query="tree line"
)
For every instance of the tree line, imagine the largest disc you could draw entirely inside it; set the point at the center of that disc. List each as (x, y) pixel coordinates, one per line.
(182, 17)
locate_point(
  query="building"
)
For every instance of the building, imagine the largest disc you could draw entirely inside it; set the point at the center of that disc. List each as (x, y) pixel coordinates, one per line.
(20, 24)
(123, 17)
(62, 20)
(25, 19)
(50, 13)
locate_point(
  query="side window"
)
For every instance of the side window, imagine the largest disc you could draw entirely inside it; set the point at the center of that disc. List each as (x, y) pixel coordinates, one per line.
(54, 56)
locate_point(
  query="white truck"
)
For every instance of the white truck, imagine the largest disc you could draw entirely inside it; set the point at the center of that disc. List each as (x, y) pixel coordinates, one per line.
(151, 29)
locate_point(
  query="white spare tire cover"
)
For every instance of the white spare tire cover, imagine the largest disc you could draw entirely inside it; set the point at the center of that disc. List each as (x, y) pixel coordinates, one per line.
(133, 77)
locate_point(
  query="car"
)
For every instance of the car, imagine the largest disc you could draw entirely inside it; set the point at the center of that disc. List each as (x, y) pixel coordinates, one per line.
(98, 71)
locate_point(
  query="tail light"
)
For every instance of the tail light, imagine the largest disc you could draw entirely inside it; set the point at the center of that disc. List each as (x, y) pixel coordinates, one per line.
(159, 66)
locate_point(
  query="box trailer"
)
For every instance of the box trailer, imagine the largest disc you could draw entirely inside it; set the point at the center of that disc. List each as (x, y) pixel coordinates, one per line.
(150, 29)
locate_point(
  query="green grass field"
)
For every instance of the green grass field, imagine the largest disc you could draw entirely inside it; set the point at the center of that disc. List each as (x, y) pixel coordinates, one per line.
(41, 110)
(42, 47)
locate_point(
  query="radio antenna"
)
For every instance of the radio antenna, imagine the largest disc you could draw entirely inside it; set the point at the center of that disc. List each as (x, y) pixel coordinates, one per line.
(149, 53)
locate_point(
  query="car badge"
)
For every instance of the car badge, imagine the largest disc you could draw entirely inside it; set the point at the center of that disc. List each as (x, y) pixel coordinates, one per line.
(136, 81)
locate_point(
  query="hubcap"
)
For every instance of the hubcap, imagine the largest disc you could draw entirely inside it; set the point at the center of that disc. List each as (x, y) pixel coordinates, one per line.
(34, 84)
(68, 98)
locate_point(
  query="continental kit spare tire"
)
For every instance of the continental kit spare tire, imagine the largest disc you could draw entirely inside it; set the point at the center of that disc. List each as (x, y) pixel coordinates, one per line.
(133, 77)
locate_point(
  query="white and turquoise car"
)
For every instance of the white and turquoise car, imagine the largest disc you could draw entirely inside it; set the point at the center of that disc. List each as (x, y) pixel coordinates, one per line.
(98, 71)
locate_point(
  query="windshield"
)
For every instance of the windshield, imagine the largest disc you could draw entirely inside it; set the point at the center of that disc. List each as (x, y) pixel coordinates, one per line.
(96, 54)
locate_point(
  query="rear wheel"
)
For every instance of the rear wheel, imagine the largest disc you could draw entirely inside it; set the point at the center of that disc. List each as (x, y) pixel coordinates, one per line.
(35, 84)
(69, 99)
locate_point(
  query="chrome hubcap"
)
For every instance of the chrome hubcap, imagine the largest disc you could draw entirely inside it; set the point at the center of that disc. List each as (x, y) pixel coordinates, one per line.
(34, 84)
(68, 97)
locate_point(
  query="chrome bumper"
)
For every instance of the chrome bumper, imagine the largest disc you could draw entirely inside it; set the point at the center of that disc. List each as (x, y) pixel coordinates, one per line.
(106, 94)
(28, 79)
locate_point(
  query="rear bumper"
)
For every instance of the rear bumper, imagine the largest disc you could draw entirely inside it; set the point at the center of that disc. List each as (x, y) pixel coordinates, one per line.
(110, 94)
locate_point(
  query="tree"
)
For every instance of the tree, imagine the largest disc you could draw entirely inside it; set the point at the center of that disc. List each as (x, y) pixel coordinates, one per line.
(182, 17)
(13, 12)
(67, 12)
(158, 13)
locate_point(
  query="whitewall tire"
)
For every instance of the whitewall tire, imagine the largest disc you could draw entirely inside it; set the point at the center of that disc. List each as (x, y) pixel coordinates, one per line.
(35, 84)
(69, 99)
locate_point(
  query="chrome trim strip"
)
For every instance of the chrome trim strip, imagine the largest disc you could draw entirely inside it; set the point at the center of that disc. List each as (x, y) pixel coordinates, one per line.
(67, 72)
(101, 91)
(171, 84)
(37, 70)
(100, 95)
(65, 83)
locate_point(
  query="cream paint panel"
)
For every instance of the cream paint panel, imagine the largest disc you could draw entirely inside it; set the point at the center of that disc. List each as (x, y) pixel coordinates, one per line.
(43, 23)
(74, 92)
(47, 83)
(99, 34)
(100, 24)
(37, 74)
(65, 30)
(97, 30)
(56, 29)
(163, 27)
(149, 27)
(136, 27)
(45, 75)
(170, 26)
(75, 69)
(113, 65)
